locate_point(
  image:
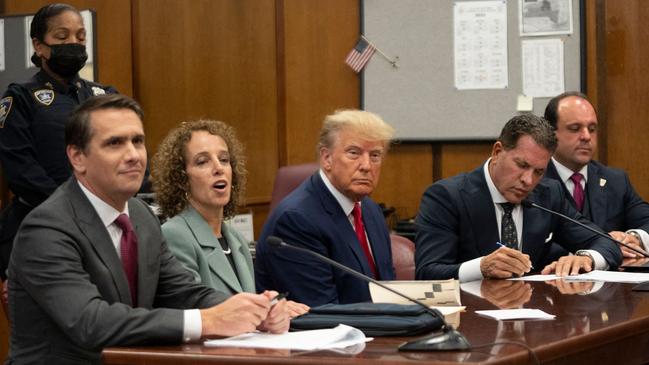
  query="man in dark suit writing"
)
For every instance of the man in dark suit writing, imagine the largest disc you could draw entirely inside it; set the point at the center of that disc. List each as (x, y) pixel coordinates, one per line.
(92, 268)
(602, 194)
(331, 213)
(473, 225)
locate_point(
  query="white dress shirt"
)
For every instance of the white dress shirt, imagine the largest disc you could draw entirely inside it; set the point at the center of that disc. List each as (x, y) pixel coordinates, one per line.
(192, 324)
(470, 270)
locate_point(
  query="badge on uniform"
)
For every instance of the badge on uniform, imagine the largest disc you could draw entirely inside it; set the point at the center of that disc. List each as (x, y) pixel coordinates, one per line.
(44, 96)
(98, 91)
(5, 108)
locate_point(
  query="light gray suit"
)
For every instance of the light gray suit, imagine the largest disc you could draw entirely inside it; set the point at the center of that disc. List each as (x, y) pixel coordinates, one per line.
(191, 239)
(68, 294)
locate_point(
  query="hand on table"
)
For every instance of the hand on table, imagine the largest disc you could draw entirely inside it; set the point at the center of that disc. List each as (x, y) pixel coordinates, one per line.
(569, 265)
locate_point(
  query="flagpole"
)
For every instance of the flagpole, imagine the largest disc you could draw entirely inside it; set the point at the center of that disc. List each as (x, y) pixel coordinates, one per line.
(393, 62)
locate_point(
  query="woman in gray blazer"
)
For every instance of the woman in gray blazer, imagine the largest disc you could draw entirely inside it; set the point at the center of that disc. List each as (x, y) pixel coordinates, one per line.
(199, 177)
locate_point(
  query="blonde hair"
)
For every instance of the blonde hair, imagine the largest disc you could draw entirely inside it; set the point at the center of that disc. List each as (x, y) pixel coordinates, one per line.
(366, 125)
(168, 175)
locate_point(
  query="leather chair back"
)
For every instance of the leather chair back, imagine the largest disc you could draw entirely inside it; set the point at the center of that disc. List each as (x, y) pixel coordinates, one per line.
(288, 178)
(403, 257)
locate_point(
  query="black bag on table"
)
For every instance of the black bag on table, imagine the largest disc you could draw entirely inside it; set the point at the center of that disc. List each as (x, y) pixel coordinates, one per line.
(374, 319)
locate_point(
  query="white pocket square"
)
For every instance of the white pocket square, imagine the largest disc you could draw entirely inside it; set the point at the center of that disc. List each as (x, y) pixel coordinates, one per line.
(549, 238)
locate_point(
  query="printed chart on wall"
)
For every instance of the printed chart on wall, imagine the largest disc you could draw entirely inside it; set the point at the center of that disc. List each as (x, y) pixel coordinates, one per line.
(449, 70)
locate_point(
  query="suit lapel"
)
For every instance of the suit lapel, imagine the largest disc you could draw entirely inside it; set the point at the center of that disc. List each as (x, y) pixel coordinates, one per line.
(216, 259)
(482, 213)
(375, 235)
(244, 268)
(148, 269)
(552, 173)
(341, 222)
(536, 225)
(596, 195)
(93, 228)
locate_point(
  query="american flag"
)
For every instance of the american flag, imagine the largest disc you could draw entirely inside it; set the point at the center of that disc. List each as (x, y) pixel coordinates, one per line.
(360, 55)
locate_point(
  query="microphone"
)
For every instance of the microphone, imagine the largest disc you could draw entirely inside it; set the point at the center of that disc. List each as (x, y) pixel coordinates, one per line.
(527, 203)
(446, 339)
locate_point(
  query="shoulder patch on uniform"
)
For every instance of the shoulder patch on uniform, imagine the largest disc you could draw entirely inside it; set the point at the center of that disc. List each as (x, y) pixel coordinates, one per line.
(98, 91)
(5, 108)
(44, 96)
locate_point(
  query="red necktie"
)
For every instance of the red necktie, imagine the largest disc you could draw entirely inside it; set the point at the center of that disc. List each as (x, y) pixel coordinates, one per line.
(128, 251)
(578, 192)
(360, 234)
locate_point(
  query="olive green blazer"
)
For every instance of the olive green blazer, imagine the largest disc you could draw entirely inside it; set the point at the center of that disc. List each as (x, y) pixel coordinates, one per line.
(192, 241)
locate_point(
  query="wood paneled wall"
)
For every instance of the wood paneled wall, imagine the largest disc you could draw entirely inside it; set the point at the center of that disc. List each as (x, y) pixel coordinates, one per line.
(216, 60)
(622, 31)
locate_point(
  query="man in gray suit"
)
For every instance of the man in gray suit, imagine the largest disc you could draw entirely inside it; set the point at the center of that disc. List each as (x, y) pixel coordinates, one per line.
(81, 279)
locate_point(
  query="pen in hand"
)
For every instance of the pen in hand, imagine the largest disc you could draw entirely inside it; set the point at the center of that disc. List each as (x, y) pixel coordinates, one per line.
(277, 298)
(503, 245)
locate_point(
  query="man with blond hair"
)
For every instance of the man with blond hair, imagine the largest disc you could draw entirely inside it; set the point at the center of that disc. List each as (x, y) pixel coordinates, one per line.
(331, 214)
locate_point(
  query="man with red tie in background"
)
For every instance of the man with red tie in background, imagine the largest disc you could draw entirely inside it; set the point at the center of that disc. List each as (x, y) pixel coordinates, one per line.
(604, 195)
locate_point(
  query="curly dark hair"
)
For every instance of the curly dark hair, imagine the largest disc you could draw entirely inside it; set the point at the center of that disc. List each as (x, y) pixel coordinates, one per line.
(168, 175)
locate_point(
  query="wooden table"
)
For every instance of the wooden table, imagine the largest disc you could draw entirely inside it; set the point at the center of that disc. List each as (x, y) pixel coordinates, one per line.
(610, 326)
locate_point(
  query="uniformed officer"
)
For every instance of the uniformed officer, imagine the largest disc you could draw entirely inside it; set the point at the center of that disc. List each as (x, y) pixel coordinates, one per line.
(33, 114)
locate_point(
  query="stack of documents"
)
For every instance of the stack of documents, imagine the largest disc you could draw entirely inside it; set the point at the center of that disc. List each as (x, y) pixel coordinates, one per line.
(338, 337)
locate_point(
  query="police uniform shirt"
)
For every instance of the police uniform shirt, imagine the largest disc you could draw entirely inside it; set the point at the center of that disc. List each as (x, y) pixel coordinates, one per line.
(32, 132)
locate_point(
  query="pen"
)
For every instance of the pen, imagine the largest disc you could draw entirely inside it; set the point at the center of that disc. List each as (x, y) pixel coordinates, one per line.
(502, 245)
(277, 298)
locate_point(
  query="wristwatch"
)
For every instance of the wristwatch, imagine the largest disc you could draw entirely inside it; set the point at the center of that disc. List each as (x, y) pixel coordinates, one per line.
(586, 253)
(636, 235)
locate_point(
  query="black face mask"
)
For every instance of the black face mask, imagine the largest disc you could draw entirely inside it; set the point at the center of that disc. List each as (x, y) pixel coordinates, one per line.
(67, 59)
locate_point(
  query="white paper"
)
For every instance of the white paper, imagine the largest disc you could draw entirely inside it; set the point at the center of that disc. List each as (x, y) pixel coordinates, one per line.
(338, 337)
(243, 224)
(595, 275)
(525, 103)
(611, 276)
(480, 44)
(2, 44)
(508, 314)
(543, 74)
(29, 48)
(86, 15)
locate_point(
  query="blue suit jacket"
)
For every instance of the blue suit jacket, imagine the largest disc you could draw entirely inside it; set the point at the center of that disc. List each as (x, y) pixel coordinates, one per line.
(457, 223)
(310, 217)
(612, 203)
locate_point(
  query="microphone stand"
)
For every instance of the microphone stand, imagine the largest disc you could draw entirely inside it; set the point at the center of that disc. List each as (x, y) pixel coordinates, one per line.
(446, 339)
(532, 204)
(644, 286)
